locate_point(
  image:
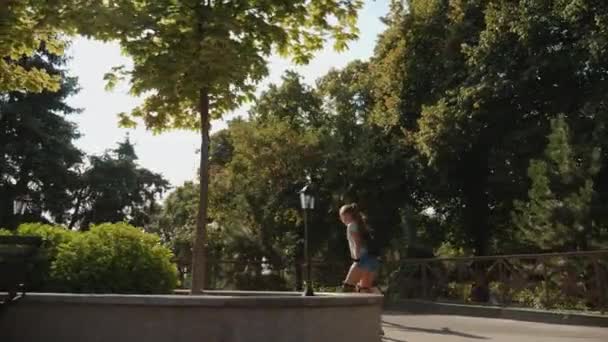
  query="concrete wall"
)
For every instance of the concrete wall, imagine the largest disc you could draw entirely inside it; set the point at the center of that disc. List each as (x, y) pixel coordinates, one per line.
(214, 318)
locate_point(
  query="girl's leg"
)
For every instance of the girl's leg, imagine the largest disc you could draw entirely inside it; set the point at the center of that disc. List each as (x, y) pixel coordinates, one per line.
(367, 281)
(353, 277)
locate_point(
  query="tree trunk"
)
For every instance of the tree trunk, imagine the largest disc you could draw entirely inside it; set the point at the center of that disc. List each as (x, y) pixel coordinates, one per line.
(477, 212)
(200, 239)
(74, 218)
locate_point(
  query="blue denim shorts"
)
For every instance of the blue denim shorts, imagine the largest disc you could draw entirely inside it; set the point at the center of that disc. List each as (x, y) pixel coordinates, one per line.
(368, 262)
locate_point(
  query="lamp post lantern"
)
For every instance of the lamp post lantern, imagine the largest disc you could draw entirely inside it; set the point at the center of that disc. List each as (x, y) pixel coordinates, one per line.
(307, 201)
(20, 205)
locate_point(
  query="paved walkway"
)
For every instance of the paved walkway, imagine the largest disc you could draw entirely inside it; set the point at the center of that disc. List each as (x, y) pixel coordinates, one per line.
(400, 327)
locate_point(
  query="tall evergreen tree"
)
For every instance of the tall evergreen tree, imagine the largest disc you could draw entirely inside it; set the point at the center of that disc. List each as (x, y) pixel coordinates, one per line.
(115, 188)
(37, 152)
(557, 215)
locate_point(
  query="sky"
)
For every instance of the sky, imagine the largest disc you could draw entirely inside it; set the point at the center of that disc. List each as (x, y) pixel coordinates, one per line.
(173, 154)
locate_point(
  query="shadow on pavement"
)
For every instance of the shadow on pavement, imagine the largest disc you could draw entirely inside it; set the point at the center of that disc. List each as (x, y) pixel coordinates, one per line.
(389, 339)
(442, 331)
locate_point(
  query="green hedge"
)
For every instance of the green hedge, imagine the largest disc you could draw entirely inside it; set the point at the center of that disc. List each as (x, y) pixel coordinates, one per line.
(115, 258)
(110, 258)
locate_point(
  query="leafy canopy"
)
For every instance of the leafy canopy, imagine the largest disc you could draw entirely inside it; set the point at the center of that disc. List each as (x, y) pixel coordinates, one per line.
(181, 48)
(25, 25)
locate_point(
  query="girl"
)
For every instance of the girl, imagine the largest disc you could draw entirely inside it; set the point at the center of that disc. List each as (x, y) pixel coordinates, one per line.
(365, 265)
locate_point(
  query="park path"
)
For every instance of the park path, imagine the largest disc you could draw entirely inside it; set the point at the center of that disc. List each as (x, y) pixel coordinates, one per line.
(401, 327)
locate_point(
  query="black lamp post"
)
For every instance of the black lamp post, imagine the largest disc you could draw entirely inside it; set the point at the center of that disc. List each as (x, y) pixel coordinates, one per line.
(307, 200)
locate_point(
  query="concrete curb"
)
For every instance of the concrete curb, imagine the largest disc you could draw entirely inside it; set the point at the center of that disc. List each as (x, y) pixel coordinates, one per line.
(486, 311)
(225, 316)
(219, 299)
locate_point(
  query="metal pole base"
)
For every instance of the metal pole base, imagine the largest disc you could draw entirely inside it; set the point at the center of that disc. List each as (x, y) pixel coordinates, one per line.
(308, 292)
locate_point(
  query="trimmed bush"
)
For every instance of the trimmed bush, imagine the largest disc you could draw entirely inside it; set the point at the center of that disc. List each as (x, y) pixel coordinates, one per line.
(52, 236)
(115, 258)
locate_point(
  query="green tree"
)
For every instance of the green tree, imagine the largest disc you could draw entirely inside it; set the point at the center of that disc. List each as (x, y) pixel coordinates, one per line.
(26, 24)
(557, 215)
(362, 162)
(175, 223)
(21, 35)
(255, 208)
(198, 60)
(257, 167)
(114, 188)
(477, 85)
(292, 102)
(255, 195)
(415, 62)
(37, 153)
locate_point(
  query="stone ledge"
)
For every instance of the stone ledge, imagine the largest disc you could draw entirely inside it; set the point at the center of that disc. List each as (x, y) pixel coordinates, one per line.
(224, 316)
(242, 293)
(212, 299)
(487, 311)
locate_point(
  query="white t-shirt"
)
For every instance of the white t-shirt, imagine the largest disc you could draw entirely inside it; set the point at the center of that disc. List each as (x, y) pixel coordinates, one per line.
(352, 245)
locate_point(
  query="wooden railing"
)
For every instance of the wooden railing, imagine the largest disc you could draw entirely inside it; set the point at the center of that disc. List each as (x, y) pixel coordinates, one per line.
(252, 275)
(577, 280)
